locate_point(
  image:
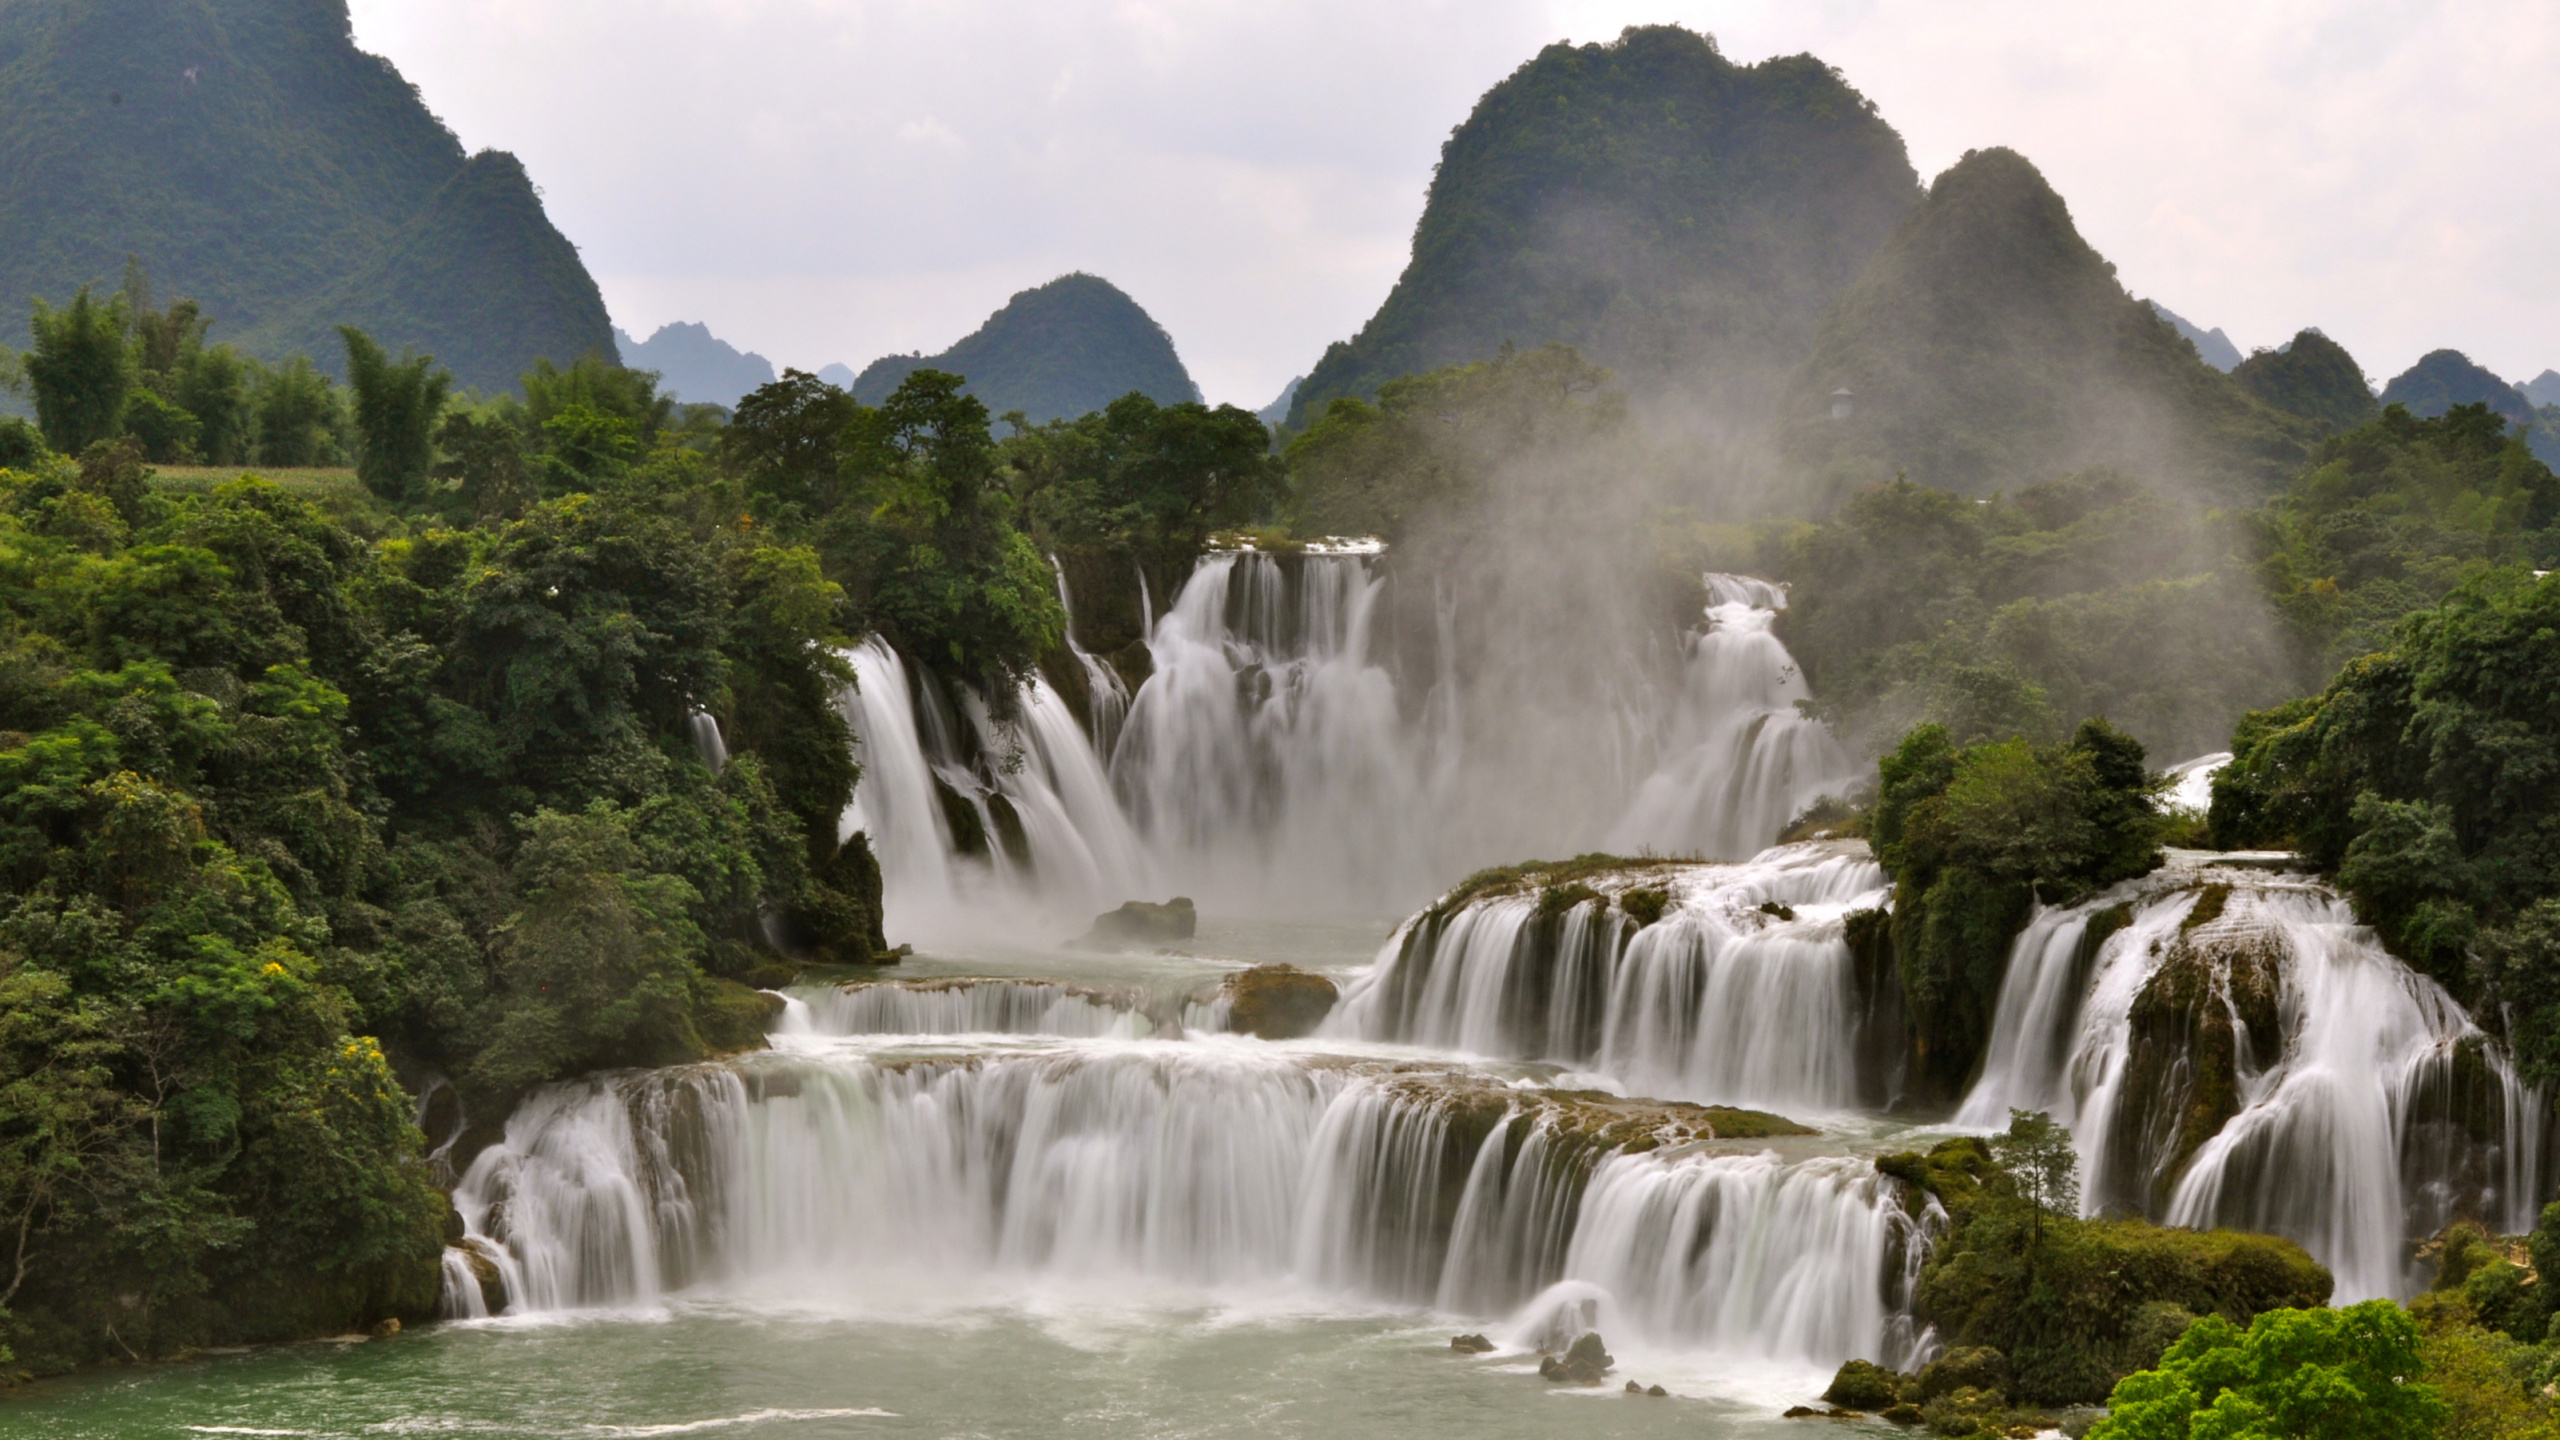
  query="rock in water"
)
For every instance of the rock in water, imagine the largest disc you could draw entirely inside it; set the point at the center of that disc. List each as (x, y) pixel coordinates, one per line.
(1139, 923)
(1278, 1002)
(1584, 1364)
(1863, 1385)
(1471, 1345)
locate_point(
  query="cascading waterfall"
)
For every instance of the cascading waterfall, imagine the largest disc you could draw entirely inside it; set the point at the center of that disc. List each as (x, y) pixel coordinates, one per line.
(826, 1175)
(972, 1007)
(2365, 1109)
(1267, 756)
(1046, 831)
(1741, 759)
(1274, 759)
(1718, 1000)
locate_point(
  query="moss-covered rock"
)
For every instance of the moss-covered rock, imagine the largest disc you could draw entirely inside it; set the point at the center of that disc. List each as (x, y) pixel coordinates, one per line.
(1278, 1002)
(1863, 1385)
(1966, 1367)
(733, 1017)
(2208, 1012)
(1582, 1364)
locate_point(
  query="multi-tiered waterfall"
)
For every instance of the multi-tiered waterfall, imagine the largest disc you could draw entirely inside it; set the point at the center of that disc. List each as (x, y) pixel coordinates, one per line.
(1278, 758)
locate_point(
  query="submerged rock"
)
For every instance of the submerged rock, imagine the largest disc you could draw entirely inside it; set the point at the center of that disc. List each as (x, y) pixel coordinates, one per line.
(1584, 1364)
(1278, 1002)
(1138, 923)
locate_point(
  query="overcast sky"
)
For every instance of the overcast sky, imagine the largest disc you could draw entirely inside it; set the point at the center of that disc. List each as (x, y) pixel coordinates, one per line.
(825, 180)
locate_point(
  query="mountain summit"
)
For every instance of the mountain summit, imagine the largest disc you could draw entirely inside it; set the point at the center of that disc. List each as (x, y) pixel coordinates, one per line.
(1677, 217)
(1987, 346)
(250, 157)
(1065, 349)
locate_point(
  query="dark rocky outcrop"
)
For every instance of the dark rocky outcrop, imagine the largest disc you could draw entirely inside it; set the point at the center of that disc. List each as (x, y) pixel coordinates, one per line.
(1138, 924)
(1863, 1385)
(1278, 1002)
(1471, 1345)
(1584, 1364)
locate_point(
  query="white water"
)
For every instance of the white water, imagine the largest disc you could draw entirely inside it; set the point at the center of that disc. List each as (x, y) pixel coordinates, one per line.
(1742, 759)
(972, 1007)
(1717, 1001)
(834, 1175)
(2344, 1138)
(1276, 762)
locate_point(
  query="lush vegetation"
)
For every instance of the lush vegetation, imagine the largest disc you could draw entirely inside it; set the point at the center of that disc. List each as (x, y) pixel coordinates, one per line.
(1055, 352)
(2314, 377)
(1973, 837)
(2096, 594)
(1928, 343)
(254, 158)
(313, 798)
(1679, 218)
(2427, 779)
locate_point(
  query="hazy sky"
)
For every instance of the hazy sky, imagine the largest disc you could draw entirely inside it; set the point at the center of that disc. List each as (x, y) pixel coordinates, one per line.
(829, 180)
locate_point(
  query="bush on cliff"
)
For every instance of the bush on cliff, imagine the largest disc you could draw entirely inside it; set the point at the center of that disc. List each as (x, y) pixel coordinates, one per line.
(1974, 837)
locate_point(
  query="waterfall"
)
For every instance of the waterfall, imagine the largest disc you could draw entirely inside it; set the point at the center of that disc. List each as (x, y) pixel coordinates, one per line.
(972, 817)
(831, 1176)
(1718, 1000)
(1741, 758)
(976, 1007)
(1275, 761)
(1108, 696)
(1267, 756)
(2237, 1051)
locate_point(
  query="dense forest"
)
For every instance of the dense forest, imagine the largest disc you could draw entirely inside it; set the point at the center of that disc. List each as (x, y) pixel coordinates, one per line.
(319, 794)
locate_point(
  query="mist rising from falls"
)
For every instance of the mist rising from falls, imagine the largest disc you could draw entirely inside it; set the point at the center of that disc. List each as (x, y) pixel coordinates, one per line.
(1717, 1001)
(1741, 759)
(1283, 756)
(2366, 1110)
(1195, 1169)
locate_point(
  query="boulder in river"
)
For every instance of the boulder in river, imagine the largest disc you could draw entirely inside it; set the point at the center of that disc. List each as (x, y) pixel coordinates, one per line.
(1584, 1364)
(1138, 923)
(1278, 1002)
(1864, 1385)
(1471, 1345)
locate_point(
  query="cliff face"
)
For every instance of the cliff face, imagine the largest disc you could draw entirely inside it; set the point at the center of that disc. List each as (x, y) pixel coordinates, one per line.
(1677, 217)
(250, 157)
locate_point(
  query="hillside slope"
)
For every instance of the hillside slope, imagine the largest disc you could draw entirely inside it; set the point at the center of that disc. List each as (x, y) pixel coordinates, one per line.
(1987, 346)
(1674, 216)
(1064, 349)
(252, 158)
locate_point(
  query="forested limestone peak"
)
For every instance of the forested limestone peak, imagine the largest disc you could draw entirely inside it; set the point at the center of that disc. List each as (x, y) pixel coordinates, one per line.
(250, 157)
(1987, 345)
(1061, 350)
(2314, 377)
(695, 365)
(2443, 379)
(1674, 216)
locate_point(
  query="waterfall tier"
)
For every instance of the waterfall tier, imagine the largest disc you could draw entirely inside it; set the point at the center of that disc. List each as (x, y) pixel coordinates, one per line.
(1732, 984)
(828, 1176)
(2231, 1049)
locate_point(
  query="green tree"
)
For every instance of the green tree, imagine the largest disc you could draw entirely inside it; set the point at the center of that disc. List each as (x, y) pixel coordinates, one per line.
(1149, 480)
(597, 384)
(484, 457)
(2348, 1374)
(787, 440)
(213, 386)
(1974, 837)
(936, 563)
(2036, 1154)
(396, 406)
(80, 371)
(298, 415)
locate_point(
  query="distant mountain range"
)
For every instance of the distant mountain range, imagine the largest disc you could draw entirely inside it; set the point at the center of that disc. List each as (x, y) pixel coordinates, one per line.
(696, 366)
(2212, 346)
(1064, 349)
(1679, 218)
(251, 158)
(1987, 346)
(2543, 389)
(2443, 379)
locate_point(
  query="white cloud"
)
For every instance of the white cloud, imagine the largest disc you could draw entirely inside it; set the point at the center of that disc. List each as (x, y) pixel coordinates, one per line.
(835, 179)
